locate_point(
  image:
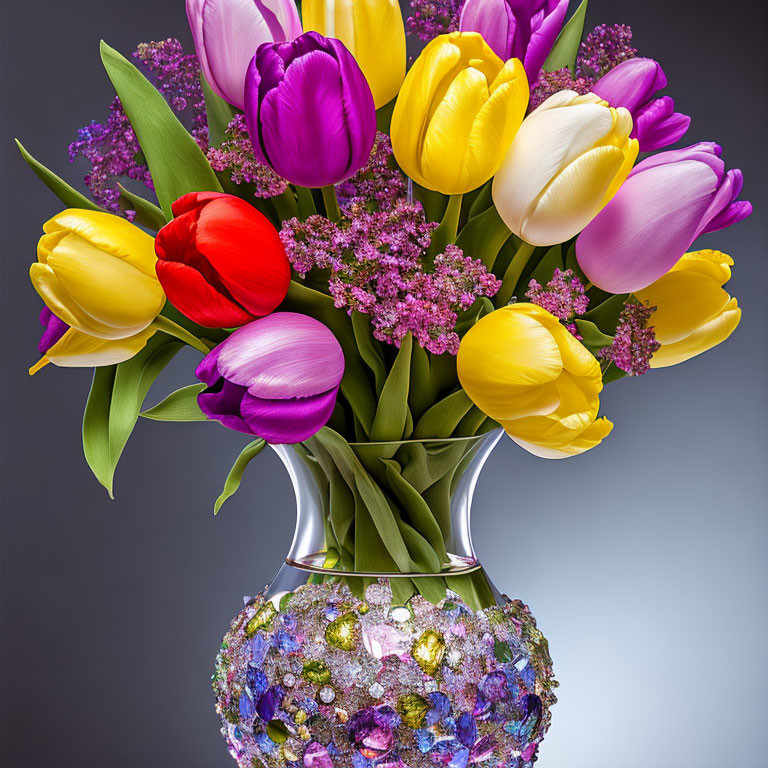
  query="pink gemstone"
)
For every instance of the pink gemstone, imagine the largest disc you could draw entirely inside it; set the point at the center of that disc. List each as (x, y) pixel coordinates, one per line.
(482, 750)
(316, 756)
(382, 641)
(530, 750)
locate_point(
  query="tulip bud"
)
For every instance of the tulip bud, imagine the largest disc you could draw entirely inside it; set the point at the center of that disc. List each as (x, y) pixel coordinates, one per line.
(457, 113)
(276, 378)
(567, 161)
(309, 110)
(519, 29)
(96, 272)
(632, 84)
(69, 348)
(220, 261)
(522, 368)
(374, 33)
(228, 32)
(693, 312)
(665, 204)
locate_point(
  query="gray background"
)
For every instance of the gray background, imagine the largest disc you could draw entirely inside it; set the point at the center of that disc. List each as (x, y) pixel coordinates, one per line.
(644, 560)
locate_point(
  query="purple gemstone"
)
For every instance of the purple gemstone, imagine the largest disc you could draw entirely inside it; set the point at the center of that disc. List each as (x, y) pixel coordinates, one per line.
(482, 708)
(268, 701)
(259, 647)
(256, 680)
(466, 729)
(316, 756)
(482, 750)
(370, 733)
(247, 707)
(460, 759)
(445, 750)
(494, 686)
(530, 750)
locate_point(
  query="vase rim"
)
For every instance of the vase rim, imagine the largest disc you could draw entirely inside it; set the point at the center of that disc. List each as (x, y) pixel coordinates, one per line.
(468, 438)
(457, 566)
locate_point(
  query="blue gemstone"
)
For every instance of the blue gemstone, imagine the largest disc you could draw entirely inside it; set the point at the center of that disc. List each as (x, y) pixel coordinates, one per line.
(256, 681)
(440, 706)
(286, 643)
(466, 729)
(460, 759)
(425, 740)
(259, 647)
(247, 707)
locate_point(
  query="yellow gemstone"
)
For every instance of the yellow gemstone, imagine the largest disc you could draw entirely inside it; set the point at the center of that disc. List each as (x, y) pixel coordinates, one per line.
(300, 717)
(261, 619)
(316, 672)
(362, 608)
(413, 709)
(344, 632)
(428, 651)
(304, 733)
(289, 755)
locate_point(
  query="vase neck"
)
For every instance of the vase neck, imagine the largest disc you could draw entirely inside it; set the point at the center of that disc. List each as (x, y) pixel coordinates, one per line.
(385, 508)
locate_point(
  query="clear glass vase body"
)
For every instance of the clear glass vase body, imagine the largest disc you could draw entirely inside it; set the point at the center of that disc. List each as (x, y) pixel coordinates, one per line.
(339, 663)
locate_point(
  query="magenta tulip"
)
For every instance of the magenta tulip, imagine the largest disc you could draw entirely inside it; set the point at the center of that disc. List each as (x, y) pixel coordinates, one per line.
(227, 34)
(519, 29)
(309, 110)
(276, 378)
(665, 204)
(632, 84)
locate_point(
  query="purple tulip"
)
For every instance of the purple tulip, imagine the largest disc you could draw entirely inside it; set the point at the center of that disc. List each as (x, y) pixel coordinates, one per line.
(309, 110)
(632, 84)
(520, 29)
(55, 328)
(664, 205)
(227, 32)
(275, 378)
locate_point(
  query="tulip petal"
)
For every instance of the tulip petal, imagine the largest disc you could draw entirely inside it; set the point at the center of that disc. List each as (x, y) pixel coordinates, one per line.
(79, 350)
(55, 328)
(711, 333)
(588, 439)
(657, 125)
(312, 151)
(288, 420)
(222, 402)
(647, 227)
(232, 30)
(283, 355)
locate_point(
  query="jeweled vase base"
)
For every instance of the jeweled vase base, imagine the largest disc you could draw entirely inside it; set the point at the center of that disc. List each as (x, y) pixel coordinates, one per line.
(330, 680)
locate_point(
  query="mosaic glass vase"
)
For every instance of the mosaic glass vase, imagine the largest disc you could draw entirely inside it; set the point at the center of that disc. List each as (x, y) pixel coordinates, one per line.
(381, 641)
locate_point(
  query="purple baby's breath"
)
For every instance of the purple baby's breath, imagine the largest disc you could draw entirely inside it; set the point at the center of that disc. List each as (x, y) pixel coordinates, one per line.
(431, 18)
(635, 342)
(563, 296)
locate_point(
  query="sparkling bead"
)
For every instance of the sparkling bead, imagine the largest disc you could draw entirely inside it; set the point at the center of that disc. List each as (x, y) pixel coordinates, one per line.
(326, 694)
(344, 632)
(376, 690)
(453, 658)
(428, 651)
(289, 680)
(342, 715)
(400, 613)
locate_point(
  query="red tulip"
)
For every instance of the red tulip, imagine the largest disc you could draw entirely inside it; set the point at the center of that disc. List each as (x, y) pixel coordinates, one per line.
(220, 261)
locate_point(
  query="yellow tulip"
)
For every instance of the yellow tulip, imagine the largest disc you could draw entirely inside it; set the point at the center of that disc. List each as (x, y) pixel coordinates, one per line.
(693, 312)
(374, 33)
(79, 350)
(520, 366)
(96, 271)
(567, 161)
(457, 113)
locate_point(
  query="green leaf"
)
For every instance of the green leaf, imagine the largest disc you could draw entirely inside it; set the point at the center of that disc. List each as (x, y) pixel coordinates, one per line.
(369, 348)
(220, 114)
(421, 393)
(180, 405)
(613, 373)
(552, 260)
(592, 337)
(147, 214)
(175, 161)
(235, 476)
(572, 263)
(566, 47)
(114, 402)
(606, 315)
(392, 411)
(67, 194)
(483, 236)
(448, 227)
(443, 417)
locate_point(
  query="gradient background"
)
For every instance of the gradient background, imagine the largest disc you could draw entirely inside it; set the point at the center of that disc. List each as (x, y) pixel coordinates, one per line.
(644, 560)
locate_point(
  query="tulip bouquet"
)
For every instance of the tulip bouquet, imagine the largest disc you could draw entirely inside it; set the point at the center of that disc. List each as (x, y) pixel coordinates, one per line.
(369, 253)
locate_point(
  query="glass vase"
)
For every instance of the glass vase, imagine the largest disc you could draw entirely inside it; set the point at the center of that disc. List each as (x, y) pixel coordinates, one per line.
(381, 641)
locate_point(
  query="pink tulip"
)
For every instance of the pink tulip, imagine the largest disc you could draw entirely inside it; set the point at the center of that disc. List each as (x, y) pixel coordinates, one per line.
(664, 205)
(227, 34)
(276, 378)
(632, 84)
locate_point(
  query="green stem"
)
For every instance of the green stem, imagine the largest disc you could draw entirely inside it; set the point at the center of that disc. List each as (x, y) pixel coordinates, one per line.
(165, 325)
(512, 275)
(285, 205)
(331, 203)
(449, 226)
(306, 203)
